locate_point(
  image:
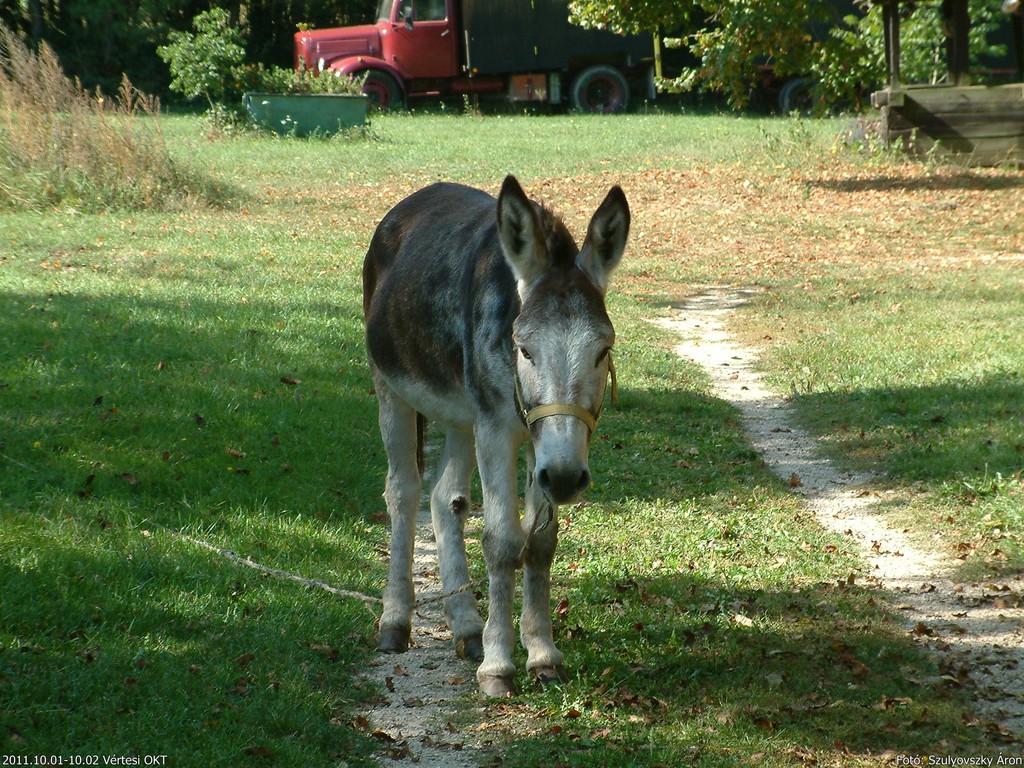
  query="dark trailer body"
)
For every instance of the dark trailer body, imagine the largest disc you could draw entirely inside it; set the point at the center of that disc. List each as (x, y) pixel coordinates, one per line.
(504, 36)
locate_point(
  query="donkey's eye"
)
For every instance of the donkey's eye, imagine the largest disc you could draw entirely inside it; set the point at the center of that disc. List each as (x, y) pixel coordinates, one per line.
(602, 356)
(526, 355)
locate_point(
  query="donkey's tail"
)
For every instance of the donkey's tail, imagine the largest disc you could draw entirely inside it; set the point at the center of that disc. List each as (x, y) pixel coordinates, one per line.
(421, 428)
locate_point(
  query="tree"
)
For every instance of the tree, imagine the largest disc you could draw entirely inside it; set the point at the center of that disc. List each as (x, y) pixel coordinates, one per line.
(630, 17)
(851, 60)
(270, 25)
(734, 40)
(737, 41)
(202, 62)
(98, 40)
(744, 40)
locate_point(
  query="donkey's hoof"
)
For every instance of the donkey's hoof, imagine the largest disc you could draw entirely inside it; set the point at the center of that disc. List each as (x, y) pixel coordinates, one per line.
(549, 675)
(497, 687)
(470, 648)
(394, 640)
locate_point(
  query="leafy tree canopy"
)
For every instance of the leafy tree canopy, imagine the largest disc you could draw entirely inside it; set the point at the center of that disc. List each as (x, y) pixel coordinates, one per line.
(838, 45)
(98, 40)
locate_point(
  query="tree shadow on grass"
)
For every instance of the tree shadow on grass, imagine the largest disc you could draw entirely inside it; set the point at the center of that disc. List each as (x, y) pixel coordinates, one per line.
(153, 403)
(937, 433)
(115, 642)
(961, 440)
(950, 182)
(659, 444)
(688, 671)
(121, 415)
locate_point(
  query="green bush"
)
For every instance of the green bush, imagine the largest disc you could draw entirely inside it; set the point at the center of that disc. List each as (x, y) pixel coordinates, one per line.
(203, 63)
(735, 41)
(852, 59)
(260, 79)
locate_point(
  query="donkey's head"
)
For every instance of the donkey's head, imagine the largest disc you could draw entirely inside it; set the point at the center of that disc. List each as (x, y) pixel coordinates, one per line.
(563, 337)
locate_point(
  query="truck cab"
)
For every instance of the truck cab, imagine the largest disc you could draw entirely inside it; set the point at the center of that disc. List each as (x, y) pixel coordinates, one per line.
(410, 40)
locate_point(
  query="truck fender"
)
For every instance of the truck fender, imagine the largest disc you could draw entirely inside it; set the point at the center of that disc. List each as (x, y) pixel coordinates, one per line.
(352, 65)
(384, 84)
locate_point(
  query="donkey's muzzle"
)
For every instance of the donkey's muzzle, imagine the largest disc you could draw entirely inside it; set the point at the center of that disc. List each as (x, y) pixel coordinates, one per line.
(563, 484)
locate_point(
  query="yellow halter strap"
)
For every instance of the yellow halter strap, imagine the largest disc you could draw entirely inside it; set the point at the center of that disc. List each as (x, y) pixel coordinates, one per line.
(529, 416)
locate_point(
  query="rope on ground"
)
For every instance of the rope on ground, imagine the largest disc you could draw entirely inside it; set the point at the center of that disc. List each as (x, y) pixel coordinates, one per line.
(234, 557)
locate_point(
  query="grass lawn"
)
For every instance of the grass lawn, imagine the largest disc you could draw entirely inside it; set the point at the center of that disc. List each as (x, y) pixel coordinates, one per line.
(202, 372)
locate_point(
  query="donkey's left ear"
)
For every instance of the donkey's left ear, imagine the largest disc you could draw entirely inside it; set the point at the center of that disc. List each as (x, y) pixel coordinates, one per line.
(520, 234)
(606, 239)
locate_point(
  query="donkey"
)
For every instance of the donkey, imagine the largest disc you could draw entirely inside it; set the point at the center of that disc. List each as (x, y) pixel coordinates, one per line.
(485, 316)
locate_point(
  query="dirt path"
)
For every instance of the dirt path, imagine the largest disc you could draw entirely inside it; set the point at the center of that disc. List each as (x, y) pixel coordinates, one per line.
(422, 691)
(978, 629)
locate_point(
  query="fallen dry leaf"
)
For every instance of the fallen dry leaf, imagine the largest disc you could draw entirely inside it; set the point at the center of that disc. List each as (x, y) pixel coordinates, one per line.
(244, 660)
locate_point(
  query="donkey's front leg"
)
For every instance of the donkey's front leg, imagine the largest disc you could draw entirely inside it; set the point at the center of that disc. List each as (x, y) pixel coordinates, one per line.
(544, 659)
(502, 543)
(402, 493)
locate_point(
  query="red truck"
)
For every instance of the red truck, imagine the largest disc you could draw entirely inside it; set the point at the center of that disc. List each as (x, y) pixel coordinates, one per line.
(526, 49)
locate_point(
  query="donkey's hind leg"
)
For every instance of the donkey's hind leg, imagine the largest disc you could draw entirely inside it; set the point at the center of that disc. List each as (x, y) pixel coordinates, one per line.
(449, 505)
(402, 489)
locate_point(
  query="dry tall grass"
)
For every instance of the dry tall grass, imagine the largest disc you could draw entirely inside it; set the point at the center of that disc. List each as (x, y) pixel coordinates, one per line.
(63, 146)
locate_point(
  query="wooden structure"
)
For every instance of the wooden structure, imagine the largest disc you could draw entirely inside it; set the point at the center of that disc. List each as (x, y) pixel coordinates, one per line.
(983, 124)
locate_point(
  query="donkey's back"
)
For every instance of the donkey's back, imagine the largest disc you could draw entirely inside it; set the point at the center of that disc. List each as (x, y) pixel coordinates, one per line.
(458, 220)
(433, 264)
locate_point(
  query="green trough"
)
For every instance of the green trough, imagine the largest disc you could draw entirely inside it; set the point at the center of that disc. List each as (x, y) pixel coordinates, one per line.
(302, 114)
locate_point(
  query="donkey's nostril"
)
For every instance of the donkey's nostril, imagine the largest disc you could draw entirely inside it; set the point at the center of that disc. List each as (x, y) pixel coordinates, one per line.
(584, 481)
(544, 479)
(562, 485)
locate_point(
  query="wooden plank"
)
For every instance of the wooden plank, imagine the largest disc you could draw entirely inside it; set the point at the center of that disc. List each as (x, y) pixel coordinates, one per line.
(957, 25)
(891, 31)
(888, 97)
(953, 99)
(984, 151)
(985, 124)
(968, 125)
(968, 98)
(974, 152)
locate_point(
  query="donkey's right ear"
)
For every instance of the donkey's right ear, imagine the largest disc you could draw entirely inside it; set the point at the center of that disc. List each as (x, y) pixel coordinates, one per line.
(606, 239)
(522, 239)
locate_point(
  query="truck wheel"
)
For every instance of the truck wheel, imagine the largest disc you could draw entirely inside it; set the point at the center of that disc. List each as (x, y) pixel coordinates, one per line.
(382, 90)
(601, 90)
(795, 97)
